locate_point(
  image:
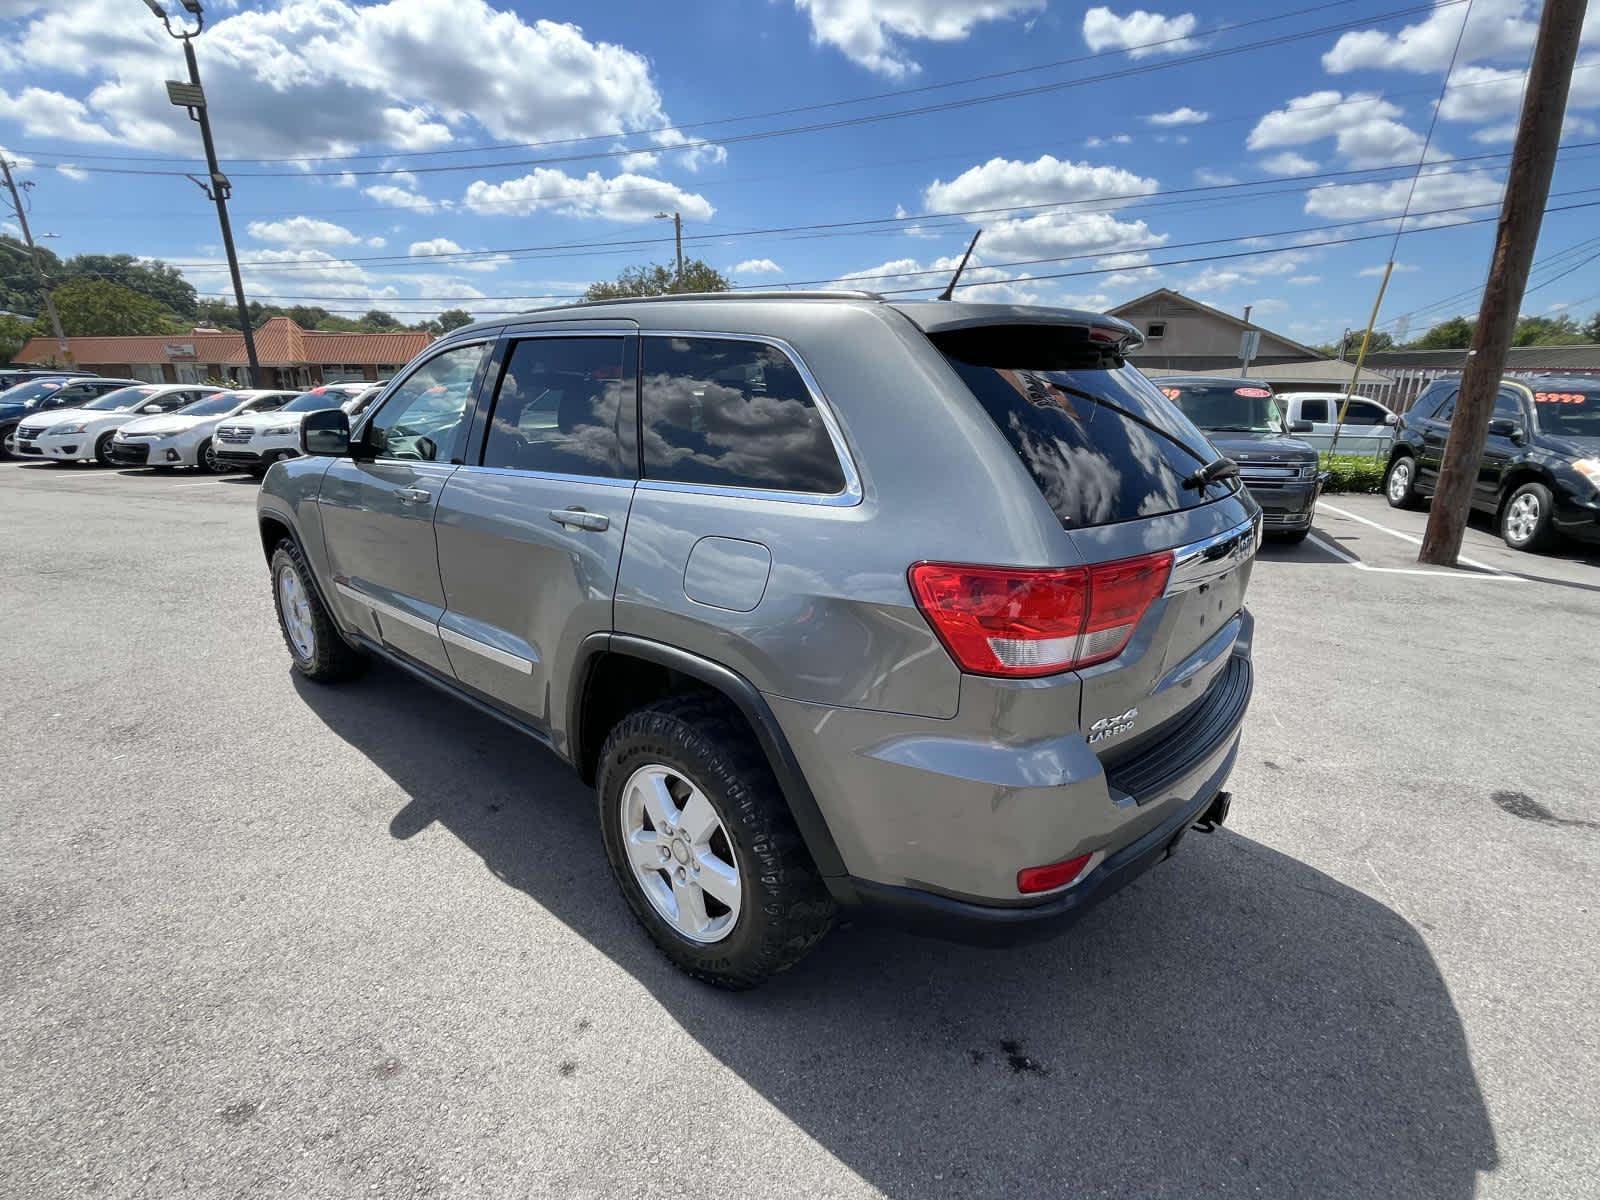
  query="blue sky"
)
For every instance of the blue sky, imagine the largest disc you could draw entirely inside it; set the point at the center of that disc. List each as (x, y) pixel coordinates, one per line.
(354, 134)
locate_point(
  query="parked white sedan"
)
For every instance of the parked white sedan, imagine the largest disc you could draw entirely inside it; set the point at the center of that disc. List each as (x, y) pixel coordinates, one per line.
(183, 438)
(76, 434)
(254, 443)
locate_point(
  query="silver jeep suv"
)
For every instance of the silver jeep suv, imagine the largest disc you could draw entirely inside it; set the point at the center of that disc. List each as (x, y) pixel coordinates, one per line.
(924, 611)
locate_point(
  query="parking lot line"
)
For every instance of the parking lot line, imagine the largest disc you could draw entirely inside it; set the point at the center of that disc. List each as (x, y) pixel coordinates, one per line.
(1415, 541)
(1339, 552)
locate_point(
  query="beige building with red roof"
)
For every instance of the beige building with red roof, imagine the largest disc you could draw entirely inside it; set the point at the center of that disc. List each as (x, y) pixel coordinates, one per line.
(290, 357)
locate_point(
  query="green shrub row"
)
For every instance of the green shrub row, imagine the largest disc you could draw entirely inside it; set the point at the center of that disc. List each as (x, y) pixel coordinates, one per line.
(1353, 473)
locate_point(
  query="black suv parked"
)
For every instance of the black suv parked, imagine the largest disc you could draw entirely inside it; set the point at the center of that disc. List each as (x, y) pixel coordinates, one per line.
(1245, 421)
(1540, 471)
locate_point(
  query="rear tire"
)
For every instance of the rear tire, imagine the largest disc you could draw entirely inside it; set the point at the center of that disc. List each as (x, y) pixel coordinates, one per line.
(1400, 483)
(665, 758)
(1525, 521)
(319, 651)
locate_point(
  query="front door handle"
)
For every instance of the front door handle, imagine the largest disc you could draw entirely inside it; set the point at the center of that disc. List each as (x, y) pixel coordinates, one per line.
(577, 518)
(414, 496)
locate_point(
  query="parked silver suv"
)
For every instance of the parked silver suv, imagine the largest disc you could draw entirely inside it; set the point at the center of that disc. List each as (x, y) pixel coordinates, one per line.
(925, 611)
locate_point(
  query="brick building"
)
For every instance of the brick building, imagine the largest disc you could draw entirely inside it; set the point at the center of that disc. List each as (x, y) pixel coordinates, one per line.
(290, 357)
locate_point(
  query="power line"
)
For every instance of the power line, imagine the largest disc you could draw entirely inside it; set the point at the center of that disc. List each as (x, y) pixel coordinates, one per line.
(870, 224)
(845, 122)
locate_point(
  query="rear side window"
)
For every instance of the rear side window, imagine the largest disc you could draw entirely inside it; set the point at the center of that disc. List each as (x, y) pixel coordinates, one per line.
(1100, 441)
(564, 405)
(1313, 410)
(733, 414)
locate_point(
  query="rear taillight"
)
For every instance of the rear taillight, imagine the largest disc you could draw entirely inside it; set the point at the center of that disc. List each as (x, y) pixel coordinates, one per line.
(1022, 622)
(1048, 878)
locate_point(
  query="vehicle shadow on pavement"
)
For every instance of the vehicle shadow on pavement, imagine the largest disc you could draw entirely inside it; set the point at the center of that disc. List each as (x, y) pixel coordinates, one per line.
(1235, 1022)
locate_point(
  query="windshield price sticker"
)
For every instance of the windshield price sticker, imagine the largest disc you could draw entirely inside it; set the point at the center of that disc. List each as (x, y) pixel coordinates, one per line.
(1171, 393)
(1253, 393)
(1559, 398)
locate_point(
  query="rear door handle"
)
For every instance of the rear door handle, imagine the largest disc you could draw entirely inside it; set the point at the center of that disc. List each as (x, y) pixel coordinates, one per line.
(577, 518)
(414, 496)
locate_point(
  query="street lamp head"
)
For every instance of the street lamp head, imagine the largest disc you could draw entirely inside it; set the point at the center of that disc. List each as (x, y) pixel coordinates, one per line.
(155, 7)
(192, 7)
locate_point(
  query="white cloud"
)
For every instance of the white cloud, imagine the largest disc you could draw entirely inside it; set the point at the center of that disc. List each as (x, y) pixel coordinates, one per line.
(377, 243)
(1303, 280)
(1571, 126)
(758, 266)
(303, 231)
(326, 76)
(620, 198)
(1135, 33)
(1436, 189)
(1495, 94)
(871, 33)
(1179, 116)
(1213, 178)
(74, 173)
(1362, 125)
(442, 246)
(978, 282)
(1496, 28)
(391, 196)
(1287, 162)
(1375, 271)
(344, 179)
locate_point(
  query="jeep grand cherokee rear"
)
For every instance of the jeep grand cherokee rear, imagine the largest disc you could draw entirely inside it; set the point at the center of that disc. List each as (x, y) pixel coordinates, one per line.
(929, 611)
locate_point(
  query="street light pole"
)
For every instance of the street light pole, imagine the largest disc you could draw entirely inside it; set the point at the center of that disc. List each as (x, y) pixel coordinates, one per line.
(216, 187)
(677, 234)
(33, 256)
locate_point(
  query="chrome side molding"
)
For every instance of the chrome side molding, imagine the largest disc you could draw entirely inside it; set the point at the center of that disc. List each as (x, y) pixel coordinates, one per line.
(1211, 558)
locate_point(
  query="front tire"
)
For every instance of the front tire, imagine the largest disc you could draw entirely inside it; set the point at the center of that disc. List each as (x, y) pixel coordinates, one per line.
(1525, 521)
(703, 845)
(319, 652)
(1400, 483)
(102, 450)
(206, 460)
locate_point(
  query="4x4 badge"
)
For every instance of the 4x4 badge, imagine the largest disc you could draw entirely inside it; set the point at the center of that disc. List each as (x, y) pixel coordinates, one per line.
(1107, 727)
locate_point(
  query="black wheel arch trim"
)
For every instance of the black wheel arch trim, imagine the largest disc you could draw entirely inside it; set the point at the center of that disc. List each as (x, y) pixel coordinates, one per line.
(748, 700)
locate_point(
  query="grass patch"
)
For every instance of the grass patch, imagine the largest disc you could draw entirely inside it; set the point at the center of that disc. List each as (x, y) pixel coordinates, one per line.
(1353, 473)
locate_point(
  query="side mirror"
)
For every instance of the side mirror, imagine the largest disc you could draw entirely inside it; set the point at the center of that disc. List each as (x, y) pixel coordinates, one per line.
(326, 432)
(1301, 426)
(1505, 427)
(1391, 419)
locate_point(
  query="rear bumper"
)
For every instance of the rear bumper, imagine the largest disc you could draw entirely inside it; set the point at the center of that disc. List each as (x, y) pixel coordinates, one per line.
(1184, 775)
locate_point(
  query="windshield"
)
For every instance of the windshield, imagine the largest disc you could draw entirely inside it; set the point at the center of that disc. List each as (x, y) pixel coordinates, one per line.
(1102, 444)
(213, 406)
(122, 398)
(1569, 412)
(29, 394)
(316, 401)
(1227, 407)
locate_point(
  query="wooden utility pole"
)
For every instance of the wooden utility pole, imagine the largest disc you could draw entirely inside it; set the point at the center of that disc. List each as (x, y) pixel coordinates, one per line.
(33, 255)
(1527, 189)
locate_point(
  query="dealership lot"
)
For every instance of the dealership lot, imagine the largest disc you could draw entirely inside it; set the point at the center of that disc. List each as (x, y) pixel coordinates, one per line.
(260, 938)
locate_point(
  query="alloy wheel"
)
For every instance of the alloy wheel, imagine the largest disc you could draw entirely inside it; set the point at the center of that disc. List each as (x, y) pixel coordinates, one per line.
(1522, 518)
(295, 606)
(1399, 480)
(680, 853)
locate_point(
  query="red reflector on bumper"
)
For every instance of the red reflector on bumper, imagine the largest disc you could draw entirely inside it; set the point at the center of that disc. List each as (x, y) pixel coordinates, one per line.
(1048, 878)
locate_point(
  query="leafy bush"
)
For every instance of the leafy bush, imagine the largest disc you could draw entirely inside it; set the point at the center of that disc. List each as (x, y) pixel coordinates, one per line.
(1353, 473)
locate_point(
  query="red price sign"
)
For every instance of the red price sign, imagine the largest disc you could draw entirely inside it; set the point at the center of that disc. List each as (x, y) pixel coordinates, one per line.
(1171, 393)
(1252, 393)
(1559, 397)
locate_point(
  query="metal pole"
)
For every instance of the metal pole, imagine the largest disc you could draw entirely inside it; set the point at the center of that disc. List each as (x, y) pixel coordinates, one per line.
(1361, 357)
(33, 255)
(219, 191)
(1244, 363)
(1533, 161)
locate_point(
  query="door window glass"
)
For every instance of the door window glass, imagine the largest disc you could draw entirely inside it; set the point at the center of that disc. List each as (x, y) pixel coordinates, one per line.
(565, 405)
(1313, 410)
(1506, 405)
(1363, 413)
(423, 417)
(734, 414)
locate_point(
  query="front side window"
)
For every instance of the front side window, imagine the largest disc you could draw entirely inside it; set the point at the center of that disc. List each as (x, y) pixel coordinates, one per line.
(422, 418)
(733, 414)
(565, 405)
(1363, 412)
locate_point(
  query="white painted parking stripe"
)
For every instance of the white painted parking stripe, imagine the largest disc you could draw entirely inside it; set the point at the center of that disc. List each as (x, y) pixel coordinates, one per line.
(1344, 555)
(1415, 541)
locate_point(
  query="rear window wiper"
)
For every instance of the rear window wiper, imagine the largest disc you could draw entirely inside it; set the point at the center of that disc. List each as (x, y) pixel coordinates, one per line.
(1216, 469)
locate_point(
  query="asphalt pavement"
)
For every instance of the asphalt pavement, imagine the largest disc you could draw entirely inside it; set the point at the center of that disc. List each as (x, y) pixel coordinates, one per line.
(261, 938)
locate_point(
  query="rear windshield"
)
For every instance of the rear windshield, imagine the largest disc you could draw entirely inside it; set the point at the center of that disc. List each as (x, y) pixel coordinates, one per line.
(1572, 412)
(1098, 438)
(1228, 406)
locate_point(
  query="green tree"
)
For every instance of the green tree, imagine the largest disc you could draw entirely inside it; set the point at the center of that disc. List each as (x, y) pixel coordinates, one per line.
(14, 331)
(149, 277)
(1547, 331)
(1454, 334)
(1591, 331)
(92, 307)
(655, 279)
(376, 319)
(453, 318)
(19, 286)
